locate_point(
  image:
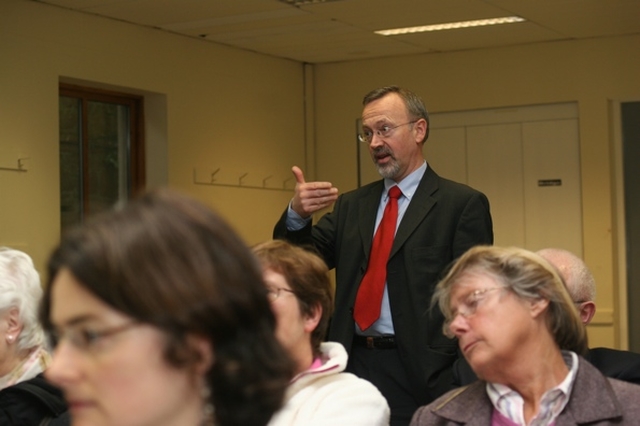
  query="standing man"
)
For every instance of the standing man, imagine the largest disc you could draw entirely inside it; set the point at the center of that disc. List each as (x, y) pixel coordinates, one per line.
(384, 283)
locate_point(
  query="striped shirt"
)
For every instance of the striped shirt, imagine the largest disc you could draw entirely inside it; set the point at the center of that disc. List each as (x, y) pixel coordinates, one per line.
(511, 405)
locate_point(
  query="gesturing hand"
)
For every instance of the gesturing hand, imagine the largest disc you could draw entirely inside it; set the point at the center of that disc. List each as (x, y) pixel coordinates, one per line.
(310, 197)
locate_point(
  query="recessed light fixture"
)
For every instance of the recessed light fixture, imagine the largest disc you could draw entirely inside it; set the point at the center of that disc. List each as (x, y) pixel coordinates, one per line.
(452, 25)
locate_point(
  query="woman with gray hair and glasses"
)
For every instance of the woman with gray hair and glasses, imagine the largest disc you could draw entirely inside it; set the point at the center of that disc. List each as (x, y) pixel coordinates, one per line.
(519, 330)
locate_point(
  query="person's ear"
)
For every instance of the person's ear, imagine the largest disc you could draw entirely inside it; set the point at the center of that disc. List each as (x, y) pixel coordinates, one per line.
(203, 356)
(14, 325)
(311, 320)
(420, 128)
(587, 310)
(538, 306)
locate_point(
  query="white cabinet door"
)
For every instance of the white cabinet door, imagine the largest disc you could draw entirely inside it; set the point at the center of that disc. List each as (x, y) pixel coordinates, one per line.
(526, 160)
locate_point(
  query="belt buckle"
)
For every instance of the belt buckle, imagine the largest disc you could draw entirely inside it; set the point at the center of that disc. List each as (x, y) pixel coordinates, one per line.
(370, 343)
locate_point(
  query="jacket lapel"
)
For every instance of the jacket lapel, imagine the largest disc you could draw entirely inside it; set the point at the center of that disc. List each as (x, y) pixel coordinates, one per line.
(592, 398)
(421, 203)
(468, 405)
(368, 204)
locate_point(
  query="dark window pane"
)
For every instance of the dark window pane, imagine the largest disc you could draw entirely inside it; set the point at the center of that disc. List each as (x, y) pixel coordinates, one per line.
(70, 161)
(108, 159)
(101, 150)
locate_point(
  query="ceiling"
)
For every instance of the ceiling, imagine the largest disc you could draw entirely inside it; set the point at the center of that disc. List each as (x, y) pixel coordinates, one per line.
(343, 30)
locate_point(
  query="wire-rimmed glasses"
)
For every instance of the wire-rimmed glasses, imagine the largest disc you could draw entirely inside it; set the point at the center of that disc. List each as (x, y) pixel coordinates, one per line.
(468, 307)
(366, 135)
(274, 292)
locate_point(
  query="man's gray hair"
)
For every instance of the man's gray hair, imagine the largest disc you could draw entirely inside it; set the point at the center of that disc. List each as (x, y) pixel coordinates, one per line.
(576, 275)
(413, 103)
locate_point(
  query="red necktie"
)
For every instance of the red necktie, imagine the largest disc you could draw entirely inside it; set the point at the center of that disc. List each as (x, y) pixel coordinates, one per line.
(369, 297)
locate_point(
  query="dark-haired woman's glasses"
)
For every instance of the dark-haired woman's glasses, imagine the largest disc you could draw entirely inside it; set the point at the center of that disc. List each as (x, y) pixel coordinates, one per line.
(274, 292)
(86, 339)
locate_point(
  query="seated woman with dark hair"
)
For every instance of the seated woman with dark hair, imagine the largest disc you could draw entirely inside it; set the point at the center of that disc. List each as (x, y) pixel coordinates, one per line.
(511, 313)
(321, 393)
(160, 318)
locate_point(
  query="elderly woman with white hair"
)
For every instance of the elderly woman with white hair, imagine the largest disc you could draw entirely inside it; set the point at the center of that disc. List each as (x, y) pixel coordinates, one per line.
(22, 344)
(519, 330)
(26, 398)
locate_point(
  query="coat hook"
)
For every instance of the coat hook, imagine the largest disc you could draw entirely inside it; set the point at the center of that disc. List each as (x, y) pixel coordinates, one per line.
(242, 177)
(20, 168)
(213, 178)
(264, 181)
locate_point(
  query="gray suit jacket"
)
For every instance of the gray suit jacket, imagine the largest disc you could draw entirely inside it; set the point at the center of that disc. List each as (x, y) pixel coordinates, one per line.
(443, 220)
(595, 400)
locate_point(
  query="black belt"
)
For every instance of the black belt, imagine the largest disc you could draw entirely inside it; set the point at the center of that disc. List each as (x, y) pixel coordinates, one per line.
(375, 342)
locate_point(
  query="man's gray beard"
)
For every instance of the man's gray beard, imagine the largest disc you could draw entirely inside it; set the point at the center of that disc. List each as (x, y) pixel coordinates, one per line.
(388, 171)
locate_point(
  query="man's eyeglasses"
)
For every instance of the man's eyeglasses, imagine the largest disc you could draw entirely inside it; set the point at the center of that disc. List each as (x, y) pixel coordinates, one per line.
(366, 135)
(274, 292)
(468, 306)
(86, 339)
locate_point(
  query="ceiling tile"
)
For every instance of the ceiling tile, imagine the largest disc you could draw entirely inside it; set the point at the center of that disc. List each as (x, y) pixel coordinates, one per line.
(343, 29)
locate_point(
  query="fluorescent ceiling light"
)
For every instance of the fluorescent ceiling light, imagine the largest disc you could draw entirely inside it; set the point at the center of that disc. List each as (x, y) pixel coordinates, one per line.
(451, 25)
(303, 2)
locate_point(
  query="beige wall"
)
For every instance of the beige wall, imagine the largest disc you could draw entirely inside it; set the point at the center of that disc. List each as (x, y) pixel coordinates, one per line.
(245, 113)
(590, 72)
(225, 108)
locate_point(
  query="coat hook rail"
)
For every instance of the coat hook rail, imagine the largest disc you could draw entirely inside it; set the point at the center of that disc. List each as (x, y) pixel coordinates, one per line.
(284, 182)
(20, 167)
(213, 182)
